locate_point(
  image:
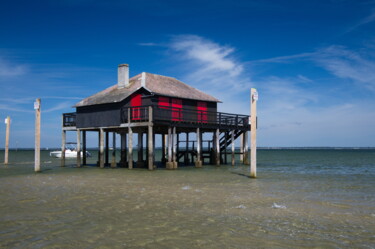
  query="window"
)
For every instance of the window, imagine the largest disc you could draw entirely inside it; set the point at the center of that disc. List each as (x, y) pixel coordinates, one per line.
(136, 100)
(202, 112)
(176, 109)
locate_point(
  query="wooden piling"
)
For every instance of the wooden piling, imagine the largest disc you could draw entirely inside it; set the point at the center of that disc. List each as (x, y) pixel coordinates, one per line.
(63, 147)
(37, 107)
(198, 162)
(140, 162)
(7, 131)
(84, 156)
(169, 164)
(163, 148)
(246, 148)
(78, 148)
(150, 140)
(254, 99)
(232, 140)
(101, 148)
(130, 142)
(123, 150)
(174, 144)
(241, 148)
(113, 162)
(217, 147)
(106, 148)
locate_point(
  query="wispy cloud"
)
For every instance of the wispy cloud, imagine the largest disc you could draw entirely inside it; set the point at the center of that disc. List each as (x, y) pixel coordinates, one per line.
(210, 64)
(347, 64)
(368, 19)
(14, 109)
(58, 107)
(8, 69)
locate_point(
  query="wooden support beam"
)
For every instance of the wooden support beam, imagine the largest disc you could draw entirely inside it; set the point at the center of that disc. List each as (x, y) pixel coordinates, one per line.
(7, 131)
(169, 164)
(163, 148)
(198, 162)
(174, 143)
(241, 148)
(113, 162)
(246, 148)
(123, 150)
(150, 140)
(106, 148)
(217, 147)
(254, 99)
(101, 148)
(63, 147)
(130, 148)
(232, 140)
(140, 162)
(37, 107)
(84, 156)
(78, 148)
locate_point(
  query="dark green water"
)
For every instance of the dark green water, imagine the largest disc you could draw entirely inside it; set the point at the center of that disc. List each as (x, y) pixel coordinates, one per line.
(301, 199)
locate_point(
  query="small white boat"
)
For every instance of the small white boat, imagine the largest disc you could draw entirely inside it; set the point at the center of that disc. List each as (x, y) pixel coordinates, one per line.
(70, 152)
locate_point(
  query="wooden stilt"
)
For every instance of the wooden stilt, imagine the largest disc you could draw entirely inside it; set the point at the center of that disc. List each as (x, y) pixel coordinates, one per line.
(150, 140)
(84, 156)
(106, 148)
(78, 148)
(7, 130)
(63, 147)
(174, 143)
(163, 148)
(99, 138)
(123, 150)
(140, 162)
(232, 140)
(198, 162)
(186, 156)
(246, 148)
(254, 99)
(101, 148)
(241, 148)
(37, 107)
(169, 164)
(113, 162)
(130, 148)
(217, 147)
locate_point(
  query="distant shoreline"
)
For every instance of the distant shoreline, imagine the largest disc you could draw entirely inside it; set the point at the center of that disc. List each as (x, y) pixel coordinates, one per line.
(237, 148)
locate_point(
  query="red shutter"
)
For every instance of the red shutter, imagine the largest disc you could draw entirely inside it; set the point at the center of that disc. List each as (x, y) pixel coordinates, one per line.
(136, 100)
(176, 109)
(164, 102)
(202, 112)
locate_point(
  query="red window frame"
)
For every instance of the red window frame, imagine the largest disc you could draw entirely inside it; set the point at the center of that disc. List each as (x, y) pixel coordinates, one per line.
(202, 112)
(136, 100)
(177, 109)
(163, 102)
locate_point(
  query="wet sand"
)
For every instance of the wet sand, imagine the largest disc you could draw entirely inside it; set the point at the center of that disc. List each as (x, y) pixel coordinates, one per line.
(212, 207)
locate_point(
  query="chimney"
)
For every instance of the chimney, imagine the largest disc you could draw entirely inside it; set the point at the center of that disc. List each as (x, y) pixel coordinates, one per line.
(123, 76)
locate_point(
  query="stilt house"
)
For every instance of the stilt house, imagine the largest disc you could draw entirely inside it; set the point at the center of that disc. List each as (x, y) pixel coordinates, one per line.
(153, 104)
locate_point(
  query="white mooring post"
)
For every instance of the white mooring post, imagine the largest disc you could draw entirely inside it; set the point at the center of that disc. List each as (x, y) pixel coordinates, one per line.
(253, 100)
(37, 108)
(7, 122)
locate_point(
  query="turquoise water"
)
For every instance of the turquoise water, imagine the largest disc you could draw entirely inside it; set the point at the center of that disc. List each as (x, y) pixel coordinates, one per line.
(301, 199)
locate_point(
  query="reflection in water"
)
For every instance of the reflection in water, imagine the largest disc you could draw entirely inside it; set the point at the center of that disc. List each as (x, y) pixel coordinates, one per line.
(302, 199)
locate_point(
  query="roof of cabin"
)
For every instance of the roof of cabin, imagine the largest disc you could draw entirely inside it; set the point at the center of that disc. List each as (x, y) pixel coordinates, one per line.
(156, 84)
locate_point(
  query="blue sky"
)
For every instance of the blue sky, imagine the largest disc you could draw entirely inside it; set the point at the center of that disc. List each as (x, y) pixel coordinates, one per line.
(311, 61)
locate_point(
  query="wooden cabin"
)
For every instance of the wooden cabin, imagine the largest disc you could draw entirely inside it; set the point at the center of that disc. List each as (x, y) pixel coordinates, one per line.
(154, 104)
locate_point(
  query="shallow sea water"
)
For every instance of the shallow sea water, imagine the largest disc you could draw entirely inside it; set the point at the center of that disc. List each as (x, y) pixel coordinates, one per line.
(301, 199)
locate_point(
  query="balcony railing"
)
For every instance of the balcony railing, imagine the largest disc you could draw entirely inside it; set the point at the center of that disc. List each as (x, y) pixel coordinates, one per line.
(173, 115)
(181, 115)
